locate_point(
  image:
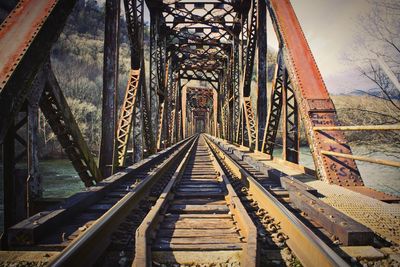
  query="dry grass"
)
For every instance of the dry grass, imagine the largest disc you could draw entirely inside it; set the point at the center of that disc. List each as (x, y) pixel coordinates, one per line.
(366, 110)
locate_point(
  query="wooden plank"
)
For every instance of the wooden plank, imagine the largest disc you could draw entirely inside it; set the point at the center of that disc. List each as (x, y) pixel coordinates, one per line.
(200, 208)
(200, 216)
(202, 247)
(347, 230)
(198, 225)
(199, 189)
(199, 194)
(198, 240)
(198, 201)
(196, 233)
(188, 257)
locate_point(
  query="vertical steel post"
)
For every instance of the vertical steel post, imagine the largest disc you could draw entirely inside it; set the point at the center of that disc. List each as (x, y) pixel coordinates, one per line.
(154, 68)
(34, 182)
(261, 73)
(215, 113)
(110, 87)
(284, 115)
(8, 183)
(184, 114)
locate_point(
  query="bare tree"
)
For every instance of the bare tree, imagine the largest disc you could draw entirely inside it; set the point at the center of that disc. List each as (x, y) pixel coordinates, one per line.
(380, 42)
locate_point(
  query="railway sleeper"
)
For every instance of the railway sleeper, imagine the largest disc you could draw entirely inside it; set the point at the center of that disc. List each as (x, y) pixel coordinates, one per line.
(48, 230)
(198, 220)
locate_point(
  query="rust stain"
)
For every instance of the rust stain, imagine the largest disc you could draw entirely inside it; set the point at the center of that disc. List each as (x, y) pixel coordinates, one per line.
(18, 31)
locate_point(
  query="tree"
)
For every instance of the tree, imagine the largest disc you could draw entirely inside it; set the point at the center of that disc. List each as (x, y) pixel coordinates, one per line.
(380, 59)
(377, 54)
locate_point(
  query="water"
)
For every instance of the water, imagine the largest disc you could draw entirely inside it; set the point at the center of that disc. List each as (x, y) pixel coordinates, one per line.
(379, 177)
(60, 180)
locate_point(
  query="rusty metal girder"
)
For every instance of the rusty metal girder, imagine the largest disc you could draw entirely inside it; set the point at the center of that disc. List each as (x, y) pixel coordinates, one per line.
(275, 107)
(250, 50)
(134, 21)
(199, 97)
(235, 88)
(126, 115)
(109, 111)
(315, 105)
(211, 14)
(62, 122)
(251, 125)
(199, 35)
(155, 58)
(262, 78)
(26, 37)
(290, 124)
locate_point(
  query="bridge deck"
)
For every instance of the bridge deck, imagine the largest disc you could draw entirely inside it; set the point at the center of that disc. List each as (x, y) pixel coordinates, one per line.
(379, 216)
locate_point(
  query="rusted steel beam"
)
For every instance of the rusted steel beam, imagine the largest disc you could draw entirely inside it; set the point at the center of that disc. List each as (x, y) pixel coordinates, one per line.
(134, 22)
(26, 37)
(347, 230)
(250, 49)
(184, 115)
(261, 72)
(154, 83)
(108, 151)
(362, 158)
(290, 123)
(34, 181)
(138, 129)
(275, 108)
(315, 105)
(147, 130)
(236, 89)
(61, 120)
(14, 185)
(251, 123)
(215, 113)
(126, 115)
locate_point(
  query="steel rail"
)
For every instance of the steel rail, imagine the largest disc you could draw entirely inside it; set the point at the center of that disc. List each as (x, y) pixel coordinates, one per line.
(309, 248)
(142, 254)
(250, 252)
(86, 249)
(36, 227)
(142, 249)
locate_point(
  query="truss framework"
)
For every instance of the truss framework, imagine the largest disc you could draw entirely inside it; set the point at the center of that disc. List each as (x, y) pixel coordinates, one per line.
(211, 41)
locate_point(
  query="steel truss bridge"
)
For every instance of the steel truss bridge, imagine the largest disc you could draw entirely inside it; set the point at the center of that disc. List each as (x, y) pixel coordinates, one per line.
(219, 197)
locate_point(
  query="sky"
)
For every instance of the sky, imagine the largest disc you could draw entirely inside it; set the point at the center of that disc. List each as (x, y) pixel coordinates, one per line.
(331, 27)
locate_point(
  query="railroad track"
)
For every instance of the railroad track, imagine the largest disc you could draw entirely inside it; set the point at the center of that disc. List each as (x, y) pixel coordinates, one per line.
(198, 219)
(274, 219)
(200, 215)
(68, 229)
(196, 207)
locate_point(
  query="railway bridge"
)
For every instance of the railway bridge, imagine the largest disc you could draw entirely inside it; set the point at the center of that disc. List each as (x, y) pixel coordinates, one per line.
(186, 174)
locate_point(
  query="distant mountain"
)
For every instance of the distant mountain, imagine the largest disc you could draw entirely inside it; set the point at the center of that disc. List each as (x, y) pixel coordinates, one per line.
(374, 92)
